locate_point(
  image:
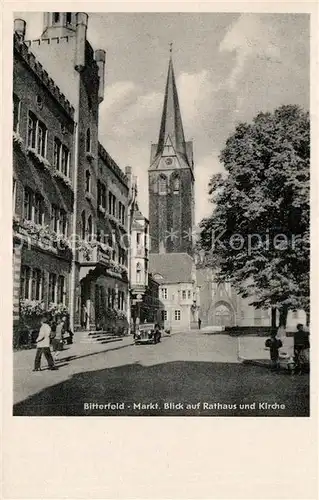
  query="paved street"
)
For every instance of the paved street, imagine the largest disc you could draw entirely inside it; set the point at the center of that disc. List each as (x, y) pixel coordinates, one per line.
(187, 374)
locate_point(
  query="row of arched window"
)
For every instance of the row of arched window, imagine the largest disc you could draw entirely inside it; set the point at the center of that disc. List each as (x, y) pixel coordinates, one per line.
(163, 184)
(88, 234)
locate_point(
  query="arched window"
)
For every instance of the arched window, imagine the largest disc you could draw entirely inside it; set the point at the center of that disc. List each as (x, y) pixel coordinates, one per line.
(162, 184)
(88, 140)
(56, 17)
(90, 228)
(138, 272)
(176, 184)
(83, 225)
(87, 181)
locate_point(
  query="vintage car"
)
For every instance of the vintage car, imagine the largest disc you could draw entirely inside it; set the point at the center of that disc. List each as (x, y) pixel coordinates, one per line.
(148, 333)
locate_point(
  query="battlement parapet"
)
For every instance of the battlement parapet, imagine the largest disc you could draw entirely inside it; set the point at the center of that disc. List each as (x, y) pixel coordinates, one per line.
(23, 48)
(57, 40)
(104, 155)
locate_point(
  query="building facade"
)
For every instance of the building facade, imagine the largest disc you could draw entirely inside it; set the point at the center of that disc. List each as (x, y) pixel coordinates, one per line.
(101, 258)
(43, 186)
(70, 199)
(152, 306)
(146, 305)
(179, 293)
(222, 306)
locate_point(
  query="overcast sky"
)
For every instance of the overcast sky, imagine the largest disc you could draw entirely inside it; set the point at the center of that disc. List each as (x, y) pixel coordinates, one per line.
(228, 68)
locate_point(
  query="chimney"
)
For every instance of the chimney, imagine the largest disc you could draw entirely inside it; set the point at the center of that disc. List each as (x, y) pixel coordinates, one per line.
(100, 61)
(20, 28)
(81, 27)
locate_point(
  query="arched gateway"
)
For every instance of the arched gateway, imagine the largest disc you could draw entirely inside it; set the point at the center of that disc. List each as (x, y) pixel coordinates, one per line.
(222, 314)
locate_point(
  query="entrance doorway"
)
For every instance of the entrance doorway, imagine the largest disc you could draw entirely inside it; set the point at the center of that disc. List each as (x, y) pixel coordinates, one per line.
(223, 315)
(85, 304)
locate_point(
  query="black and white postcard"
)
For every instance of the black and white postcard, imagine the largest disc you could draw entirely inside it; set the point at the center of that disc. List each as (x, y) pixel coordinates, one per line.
(160, 193)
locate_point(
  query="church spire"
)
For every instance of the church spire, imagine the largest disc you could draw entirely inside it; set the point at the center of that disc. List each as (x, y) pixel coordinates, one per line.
(171, 124)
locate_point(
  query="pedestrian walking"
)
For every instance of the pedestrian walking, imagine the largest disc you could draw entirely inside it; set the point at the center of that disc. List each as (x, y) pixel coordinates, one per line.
(43, 346)
(57, 342)
(85, 317)
(274, 344)
(157, 333)
(199, 323)
(137, 326)
(301, 349)
(67, 330)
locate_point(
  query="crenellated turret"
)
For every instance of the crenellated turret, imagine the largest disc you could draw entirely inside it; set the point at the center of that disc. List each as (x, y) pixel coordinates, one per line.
(58, 24)
(20, 28)
(81, 28)
(100, 61)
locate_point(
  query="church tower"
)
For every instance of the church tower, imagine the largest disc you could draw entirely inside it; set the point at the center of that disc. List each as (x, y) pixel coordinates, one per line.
(171, 180)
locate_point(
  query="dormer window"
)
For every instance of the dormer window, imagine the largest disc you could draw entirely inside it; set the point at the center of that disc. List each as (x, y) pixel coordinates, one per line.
(39, 101)
(56, 17)
(158, 276)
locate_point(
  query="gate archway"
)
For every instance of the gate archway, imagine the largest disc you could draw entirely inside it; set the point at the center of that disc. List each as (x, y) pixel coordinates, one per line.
(223, 314)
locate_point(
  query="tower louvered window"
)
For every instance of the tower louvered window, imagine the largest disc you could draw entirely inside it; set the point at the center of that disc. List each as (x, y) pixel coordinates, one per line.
(162, 185)
(176, 185)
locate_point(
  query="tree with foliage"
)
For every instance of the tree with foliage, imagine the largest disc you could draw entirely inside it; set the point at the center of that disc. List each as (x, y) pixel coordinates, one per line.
(258, 232)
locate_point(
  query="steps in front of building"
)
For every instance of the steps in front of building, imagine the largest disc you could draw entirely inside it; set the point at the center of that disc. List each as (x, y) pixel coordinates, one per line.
(100, 337)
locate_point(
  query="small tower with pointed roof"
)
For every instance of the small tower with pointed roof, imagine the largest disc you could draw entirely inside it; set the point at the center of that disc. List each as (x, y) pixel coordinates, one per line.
(171, 179)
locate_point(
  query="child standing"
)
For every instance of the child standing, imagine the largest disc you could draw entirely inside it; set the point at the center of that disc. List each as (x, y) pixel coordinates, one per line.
(274, 344)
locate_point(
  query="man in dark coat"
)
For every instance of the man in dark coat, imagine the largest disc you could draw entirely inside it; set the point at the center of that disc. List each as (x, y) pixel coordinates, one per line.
(301, 343)
(274, 344)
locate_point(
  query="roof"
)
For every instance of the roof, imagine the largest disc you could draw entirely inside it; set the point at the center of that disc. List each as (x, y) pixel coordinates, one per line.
(136, 225)
(138, 215)
(171, 124)
(171, 140)
(159, 162)
(173, 267)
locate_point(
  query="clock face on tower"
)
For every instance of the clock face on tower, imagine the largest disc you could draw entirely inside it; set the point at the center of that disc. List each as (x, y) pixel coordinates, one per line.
(169, 161)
